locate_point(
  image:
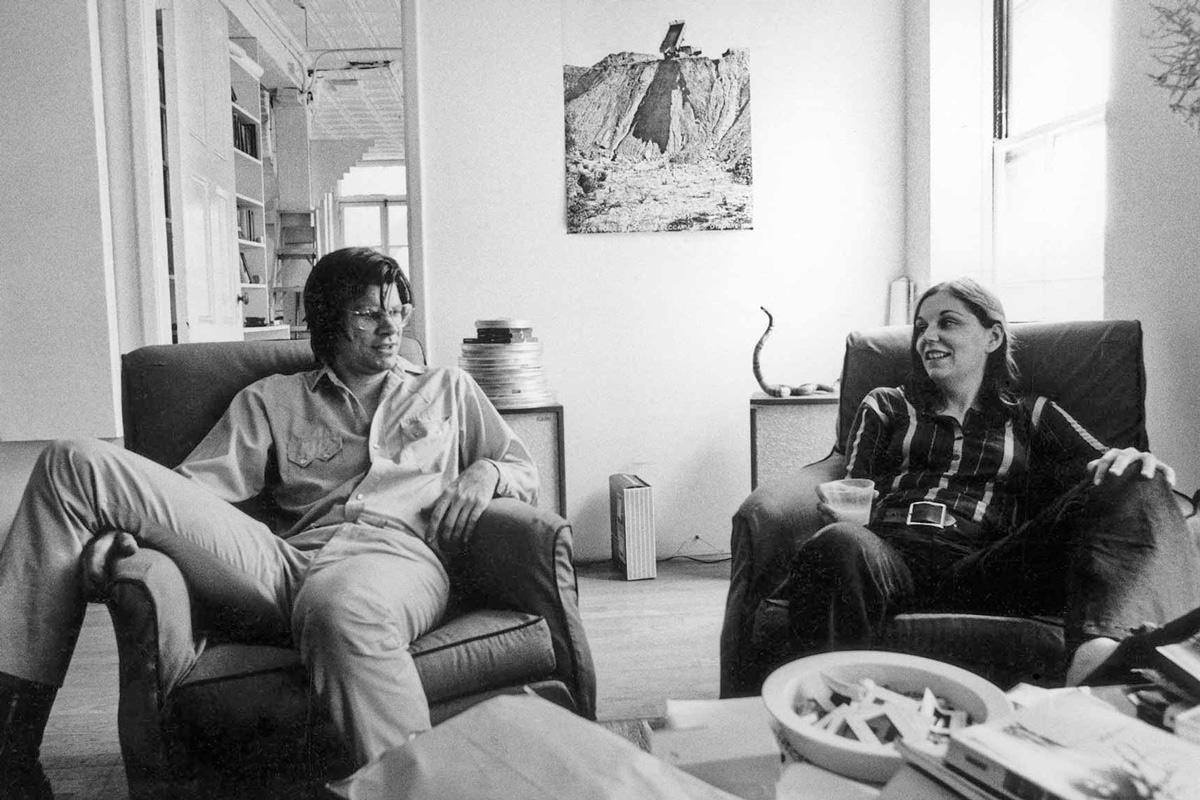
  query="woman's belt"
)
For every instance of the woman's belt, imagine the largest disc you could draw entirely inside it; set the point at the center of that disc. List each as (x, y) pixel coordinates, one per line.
(922, 512)
(927, 514)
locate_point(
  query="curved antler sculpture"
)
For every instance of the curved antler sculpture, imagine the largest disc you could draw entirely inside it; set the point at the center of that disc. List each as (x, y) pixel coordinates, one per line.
(780, 389)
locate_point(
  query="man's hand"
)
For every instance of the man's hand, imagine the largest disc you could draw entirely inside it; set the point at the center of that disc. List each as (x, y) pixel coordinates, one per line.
(455, 513)
(1115, 462)
(96, 560)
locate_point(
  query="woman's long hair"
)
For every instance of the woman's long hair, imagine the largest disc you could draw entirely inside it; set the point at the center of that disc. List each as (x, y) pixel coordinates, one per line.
(1000, 376)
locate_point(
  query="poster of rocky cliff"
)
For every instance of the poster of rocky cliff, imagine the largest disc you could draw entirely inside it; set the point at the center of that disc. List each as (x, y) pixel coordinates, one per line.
(657, 113)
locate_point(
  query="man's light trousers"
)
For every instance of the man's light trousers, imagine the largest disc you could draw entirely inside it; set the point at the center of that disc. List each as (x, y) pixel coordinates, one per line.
(352, 597)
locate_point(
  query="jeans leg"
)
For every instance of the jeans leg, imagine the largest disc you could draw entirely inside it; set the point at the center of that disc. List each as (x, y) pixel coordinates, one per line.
(1108, 557)
(844, 582)
(1134, 560)
(82, 488)
(368, 594)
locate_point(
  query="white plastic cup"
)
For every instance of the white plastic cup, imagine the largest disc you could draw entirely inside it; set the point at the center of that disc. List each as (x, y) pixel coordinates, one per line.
(850, 498)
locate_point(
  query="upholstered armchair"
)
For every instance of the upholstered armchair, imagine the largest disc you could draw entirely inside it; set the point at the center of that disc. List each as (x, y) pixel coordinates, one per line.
(202, 714)
(1093, 369)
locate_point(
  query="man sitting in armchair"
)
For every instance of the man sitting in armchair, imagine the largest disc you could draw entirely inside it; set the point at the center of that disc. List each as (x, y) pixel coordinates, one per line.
(380, 467)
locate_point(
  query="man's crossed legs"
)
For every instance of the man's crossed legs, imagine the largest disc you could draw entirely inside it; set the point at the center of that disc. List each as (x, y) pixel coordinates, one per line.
(352, 603)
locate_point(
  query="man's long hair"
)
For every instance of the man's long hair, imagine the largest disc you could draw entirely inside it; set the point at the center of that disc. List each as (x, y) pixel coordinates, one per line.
(338, 279)
(1000, 376)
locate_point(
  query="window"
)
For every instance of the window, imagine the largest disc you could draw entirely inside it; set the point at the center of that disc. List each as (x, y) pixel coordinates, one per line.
(1048, 157)
(373, 210)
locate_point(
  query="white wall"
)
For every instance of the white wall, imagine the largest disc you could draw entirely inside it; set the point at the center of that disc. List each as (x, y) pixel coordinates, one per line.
(648, 336)
(948, 118)
(81, 226)
(58, 332)
(1153, 240)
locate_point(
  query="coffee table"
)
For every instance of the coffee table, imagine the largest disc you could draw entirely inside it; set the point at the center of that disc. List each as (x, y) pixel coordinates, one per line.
(720, 738)
(802, 780)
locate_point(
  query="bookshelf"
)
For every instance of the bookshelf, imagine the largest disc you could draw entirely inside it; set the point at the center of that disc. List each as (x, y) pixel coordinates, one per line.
(295, 257)
(253, 244)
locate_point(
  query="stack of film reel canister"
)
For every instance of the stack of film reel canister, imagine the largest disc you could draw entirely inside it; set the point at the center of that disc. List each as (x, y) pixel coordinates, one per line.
(505, 359)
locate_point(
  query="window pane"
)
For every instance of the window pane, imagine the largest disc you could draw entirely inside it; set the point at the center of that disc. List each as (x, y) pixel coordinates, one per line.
(374, 179)
(1050, 210)
(401, 256)
(360, 226)
(397, 222)
(1059, 60)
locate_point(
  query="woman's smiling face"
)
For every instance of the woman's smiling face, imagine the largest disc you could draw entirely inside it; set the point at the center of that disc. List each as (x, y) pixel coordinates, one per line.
(953, 344)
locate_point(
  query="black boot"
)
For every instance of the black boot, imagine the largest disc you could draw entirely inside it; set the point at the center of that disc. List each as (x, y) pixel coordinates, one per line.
(24, 709)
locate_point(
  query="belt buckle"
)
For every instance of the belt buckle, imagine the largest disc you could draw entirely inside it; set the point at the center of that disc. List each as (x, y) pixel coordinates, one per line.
(923, 512)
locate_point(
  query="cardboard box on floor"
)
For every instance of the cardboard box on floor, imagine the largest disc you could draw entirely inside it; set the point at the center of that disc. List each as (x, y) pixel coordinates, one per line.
(518, 746)
(727, 743)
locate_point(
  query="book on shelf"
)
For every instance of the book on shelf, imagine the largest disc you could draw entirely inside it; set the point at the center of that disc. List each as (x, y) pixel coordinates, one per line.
(247, 225)
(1074, 746)
(245, 136)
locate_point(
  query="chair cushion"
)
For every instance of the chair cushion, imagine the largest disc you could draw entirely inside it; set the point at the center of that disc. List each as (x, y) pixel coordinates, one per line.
(172, 394)
(482, 650)
(1004, 650)
(242, 693)
(1092, 369)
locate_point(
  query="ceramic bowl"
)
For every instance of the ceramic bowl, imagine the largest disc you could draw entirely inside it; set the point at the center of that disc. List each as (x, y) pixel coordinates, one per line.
(789, 685)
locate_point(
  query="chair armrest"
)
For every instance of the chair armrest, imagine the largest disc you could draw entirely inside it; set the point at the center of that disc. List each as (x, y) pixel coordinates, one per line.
(768, 527)
(156, 647)
(777, 516)
(520, 558)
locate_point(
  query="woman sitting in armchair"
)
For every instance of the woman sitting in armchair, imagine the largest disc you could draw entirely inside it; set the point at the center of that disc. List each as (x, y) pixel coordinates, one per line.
(959, 462)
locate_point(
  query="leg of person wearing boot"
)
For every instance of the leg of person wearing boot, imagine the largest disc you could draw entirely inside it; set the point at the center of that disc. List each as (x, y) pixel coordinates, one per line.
(77, 493)
(24, 709)
(1111, 557)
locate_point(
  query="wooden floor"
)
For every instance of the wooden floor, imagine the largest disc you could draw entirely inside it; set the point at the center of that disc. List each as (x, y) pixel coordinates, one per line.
(651, 640)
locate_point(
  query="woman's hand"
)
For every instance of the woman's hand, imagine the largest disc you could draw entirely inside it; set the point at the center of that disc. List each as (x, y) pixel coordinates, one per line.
(828, 513)
(1115, 462)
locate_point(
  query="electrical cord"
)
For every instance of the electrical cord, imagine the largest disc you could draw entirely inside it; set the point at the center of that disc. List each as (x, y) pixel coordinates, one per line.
(716, 556)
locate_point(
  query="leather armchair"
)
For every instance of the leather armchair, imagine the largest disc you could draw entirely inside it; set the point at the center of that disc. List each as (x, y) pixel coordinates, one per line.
(202, 714)
(1093, 369)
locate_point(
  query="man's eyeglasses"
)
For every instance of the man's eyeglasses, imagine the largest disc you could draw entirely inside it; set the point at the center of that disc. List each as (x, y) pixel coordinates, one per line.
(369, 320)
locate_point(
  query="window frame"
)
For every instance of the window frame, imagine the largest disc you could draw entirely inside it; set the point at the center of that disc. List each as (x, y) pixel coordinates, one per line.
(1004, 143)
(383, 203)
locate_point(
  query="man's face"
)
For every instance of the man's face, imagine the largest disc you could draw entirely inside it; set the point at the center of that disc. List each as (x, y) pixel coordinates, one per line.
(372, 322)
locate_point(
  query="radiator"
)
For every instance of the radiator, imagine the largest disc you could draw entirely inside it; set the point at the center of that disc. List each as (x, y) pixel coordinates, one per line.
(631, 512)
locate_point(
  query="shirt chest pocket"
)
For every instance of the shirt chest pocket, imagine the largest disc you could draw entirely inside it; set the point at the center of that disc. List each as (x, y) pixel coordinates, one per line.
(427, 443)
(304, 450)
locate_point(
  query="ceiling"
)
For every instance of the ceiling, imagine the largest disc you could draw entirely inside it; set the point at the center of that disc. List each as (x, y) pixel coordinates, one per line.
(357, 89)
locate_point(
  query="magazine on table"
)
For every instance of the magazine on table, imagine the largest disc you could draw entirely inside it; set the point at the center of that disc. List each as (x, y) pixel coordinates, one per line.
(929, 761)
(1074, 746)
(1180, 662)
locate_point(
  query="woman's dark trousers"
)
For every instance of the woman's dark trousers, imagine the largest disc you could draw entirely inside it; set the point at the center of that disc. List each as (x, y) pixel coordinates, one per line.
(1106, 558)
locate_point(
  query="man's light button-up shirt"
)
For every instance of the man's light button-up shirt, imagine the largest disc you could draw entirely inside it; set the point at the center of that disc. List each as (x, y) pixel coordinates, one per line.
(334, 465)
